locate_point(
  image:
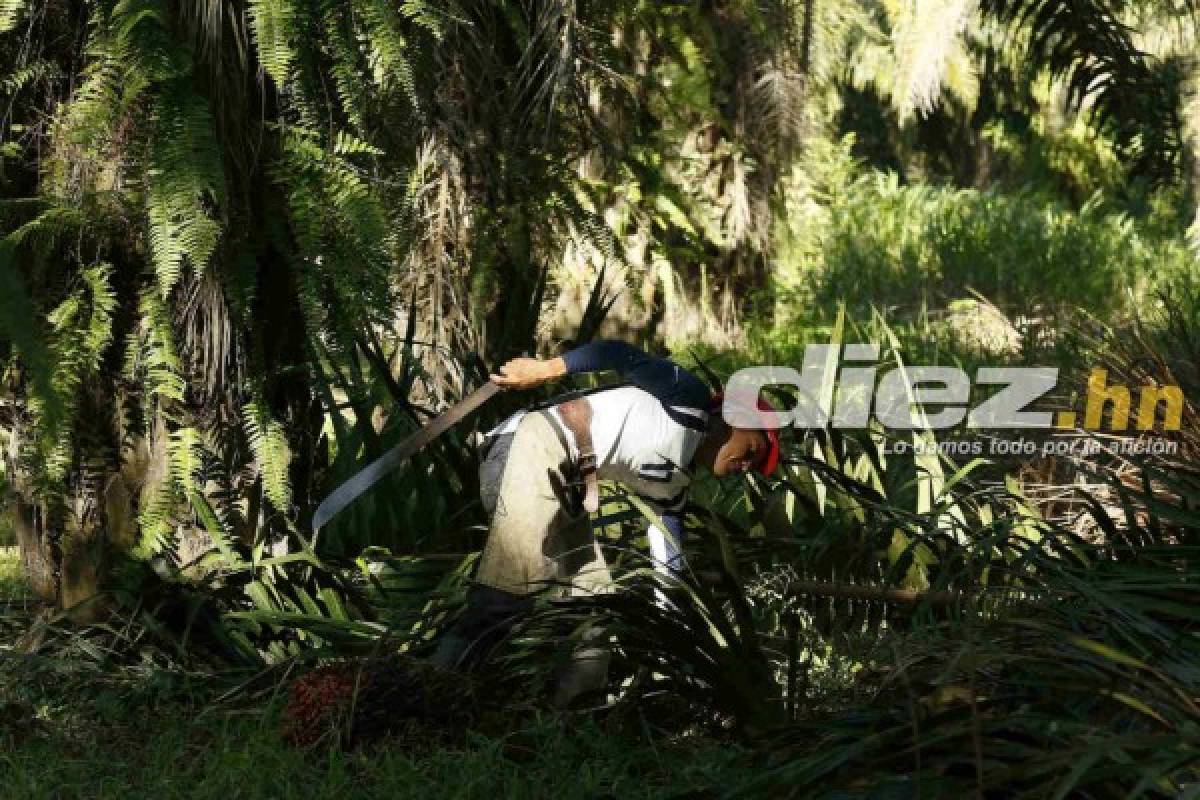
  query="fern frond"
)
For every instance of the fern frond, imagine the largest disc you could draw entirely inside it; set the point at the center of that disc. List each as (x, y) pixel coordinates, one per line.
(185, 186)
(345, 144)
(99, 333)
(272, 24)
(272, 455)
(144, 45)
(185, 450)
(345, 65)
(152, 356)
(388, 57)
(429, 17)
(342, 234)
(216, 531)
(29, 74)
(156, 520)
(42, 234)
(80, 331)
(128, 52)
(89, 119)
(29, 246)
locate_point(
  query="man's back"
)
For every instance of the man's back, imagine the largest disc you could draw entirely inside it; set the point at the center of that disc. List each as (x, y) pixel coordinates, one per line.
(643, 443)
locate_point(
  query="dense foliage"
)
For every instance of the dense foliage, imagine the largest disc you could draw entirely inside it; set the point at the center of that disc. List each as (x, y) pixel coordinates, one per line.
(246, 246)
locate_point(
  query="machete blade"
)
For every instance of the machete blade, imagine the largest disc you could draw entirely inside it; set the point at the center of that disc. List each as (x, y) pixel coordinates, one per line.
(349, 491)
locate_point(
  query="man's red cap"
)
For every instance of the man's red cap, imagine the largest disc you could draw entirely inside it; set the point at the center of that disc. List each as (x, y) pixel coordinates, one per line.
(768, 460)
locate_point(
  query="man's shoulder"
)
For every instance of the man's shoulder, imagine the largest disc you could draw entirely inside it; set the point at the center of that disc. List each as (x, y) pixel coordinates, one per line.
(693, 412)
(654, 427)
(680, 388)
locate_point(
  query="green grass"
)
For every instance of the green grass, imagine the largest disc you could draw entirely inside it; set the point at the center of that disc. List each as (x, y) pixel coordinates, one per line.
(78, 730)
(170, 753)
(875, 241)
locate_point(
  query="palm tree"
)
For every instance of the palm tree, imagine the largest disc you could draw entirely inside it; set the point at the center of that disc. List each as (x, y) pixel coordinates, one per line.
(226, 224)
(207, 217)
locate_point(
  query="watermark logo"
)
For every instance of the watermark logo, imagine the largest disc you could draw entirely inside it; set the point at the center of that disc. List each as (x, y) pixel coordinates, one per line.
(835, 387)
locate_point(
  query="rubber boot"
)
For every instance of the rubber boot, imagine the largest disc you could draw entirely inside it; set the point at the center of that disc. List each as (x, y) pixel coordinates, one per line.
(585, 674)
(489, 616)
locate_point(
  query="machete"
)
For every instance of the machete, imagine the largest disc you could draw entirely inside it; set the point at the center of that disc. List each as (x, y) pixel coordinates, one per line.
(349, 491)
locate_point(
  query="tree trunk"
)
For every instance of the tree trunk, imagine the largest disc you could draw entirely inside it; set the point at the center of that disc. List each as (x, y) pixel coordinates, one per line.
(65, 557)
(64, 564)
(82, 568)
(38, 562)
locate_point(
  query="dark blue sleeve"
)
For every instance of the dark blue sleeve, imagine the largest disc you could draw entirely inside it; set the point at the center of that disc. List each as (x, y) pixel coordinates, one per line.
(674, 524)
(670, 383)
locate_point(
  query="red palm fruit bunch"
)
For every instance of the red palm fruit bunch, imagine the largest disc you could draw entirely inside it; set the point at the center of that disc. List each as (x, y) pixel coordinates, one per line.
(353, 702)
(319, 702)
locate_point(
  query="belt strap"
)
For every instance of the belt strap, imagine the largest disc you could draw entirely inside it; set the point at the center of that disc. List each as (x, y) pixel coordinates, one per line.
(576, 415)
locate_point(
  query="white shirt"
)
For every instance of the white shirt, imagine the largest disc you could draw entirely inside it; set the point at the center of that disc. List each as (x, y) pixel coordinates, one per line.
(640, 445)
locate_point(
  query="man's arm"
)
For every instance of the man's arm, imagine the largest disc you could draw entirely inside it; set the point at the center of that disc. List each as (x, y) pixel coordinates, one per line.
(666, 546)
(670, 383)
(666, 540)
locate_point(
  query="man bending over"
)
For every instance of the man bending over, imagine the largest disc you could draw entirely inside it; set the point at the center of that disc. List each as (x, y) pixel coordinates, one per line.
(539, 481)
